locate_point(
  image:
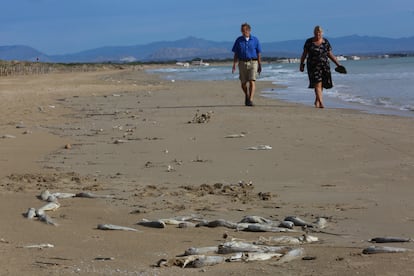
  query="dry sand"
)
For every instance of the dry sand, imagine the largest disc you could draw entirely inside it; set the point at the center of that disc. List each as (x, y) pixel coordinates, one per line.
(355, 169)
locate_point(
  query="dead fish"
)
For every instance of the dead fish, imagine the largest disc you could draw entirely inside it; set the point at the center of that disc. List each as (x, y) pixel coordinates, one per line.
(218, 223)
(389, 239)
(170, 221)
(44, 195)
(287, 240)
(240, 246)
(321, 223)
(152, 223)
(202, 261)
(266, 228)
(31, 213)
(256, 219)
(260, 147)
(237, 246)
(259, 256)
(52, 198)
(120, 141)
(51, 206)
(240, 135)
(92, 195)
(63, 195)
(7, 136)
(187, 217)
(178, 261)
(298, 221)
(286, 224)
(291, 255)
(200, 250)
(104, 259)
(46, 219)
(384, 249)
(38, 246)
(115, 227)
(186, 224)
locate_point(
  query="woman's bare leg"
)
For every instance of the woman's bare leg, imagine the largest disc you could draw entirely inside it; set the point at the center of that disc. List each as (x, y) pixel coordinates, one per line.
(318, 95)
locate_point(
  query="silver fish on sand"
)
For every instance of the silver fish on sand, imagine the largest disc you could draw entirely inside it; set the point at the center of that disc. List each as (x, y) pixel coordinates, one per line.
(384, 249)
(38, 246)
(254, 227)
(46, 219)
(256, 219)
(152, 223)
(390, 239)
(44, 195)
(287, 240)
(92, 195)
(240, 246)
(321, 223)
(194, 261)
(291, 255)
(115, 227)
(31, 213)
(253, 256)
(179, 261)
(298, 221)
(238, 135)
(200, 250)
(51, 206)
(59, 195)
(286, 224)
(218, 223)
(260, 147)
(202, 261)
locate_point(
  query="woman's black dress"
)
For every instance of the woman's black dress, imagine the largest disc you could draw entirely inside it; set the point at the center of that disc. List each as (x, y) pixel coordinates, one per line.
(318, 63)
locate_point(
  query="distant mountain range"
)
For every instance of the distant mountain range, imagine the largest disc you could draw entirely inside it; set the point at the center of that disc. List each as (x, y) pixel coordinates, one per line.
(192, 47)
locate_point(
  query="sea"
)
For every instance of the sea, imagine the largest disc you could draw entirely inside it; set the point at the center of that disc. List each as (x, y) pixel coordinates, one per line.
(374, 85)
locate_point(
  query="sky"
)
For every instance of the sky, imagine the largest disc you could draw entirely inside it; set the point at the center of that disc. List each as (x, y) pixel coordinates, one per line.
(70, 26)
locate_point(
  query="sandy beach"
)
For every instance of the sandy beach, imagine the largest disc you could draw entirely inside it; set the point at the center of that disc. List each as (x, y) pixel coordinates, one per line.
(161, 149)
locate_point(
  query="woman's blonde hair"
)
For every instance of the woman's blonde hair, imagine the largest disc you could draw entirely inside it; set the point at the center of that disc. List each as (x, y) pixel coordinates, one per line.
(317, 29)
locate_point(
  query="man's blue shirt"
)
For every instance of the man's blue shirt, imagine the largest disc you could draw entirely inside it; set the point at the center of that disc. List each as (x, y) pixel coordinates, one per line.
(247, 49)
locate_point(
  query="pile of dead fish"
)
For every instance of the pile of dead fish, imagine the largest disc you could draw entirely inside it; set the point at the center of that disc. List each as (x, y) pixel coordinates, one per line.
(53, 204)
(248, 223)
(279, 248)
(241, 251)
(282, 249)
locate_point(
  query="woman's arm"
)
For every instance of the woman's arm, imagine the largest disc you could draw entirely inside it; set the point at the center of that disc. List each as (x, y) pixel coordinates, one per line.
(302, 60)
(333, 58)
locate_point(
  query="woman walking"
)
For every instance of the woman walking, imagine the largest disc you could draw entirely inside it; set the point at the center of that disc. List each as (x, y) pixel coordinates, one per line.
(317, 51)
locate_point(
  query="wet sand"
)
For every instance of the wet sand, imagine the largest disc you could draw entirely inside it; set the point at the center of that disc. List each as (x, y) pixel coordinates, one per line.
(133, 136)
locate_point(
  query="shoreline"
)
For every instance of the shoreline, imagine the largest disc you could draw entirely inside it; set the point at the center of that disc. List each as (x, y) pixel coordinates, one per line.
(352, 168)
(305, 98)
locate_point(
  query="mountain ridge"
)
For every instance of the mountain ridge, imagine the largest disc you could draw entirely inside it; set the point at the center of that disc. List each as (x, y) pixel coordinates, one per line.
(192, 47)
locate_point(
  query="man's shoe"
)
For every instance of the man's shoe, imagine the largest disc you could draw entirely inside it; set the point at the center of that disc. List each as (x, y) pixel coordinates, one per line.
(250, 103)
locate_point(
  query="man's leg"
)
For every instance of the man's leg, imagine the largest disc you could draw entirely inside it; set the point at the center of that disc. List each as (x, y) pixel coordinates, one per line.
(246, 94)
(252, 89)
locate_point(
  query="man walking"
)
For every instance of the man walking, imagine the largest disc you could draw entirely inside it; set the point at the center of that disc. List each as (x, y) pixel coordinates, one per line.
(247, 52)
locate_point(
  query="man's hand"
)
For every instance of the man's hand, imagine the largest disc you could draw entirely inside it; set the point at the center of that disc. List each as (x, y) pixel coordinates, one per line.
(233, 69)
(259, 68)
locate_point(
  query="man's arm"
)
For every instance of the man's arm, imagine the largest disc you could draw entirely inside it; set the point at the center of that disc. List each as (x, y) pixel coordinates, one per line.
(235, 59)
(259, 61)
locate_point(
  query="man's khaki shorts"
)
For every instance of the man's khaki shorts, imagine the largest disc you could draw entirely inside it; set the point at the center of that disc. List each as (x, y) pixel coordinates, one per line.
(248, 70)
